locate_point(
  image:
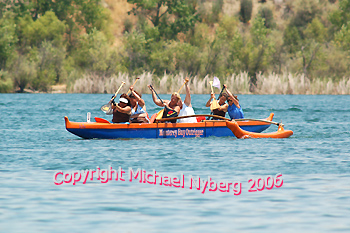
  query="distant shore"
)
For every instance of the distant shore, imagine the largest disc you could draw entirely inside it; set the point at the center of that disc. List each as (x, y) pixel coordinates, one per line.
(270, 84)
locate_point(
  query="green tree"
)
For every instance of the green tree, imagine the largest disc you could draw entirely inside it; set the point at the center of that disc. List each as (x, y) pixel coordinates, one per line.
(49, 65)
(8, 38)
(342, 38)
(137, 53)
(77, 14)
(341, 16)
(46, 28)
(266, 13)
(170, 17)
(94, 54)
(257, 53)
(246, 11)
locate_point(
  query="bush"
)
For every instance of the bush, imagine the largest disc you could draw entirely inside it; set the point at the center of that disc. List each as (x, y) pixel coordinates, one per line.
(6, 84)
(267, 14)
(216, 10)
(49, 62)
(128, 25)
(246, 11)
(23, 72)
(306, 11)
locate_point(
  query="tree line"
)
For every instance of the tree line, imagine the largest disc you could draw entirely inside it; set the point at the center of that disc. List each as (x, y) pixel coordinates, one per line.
(46, 42)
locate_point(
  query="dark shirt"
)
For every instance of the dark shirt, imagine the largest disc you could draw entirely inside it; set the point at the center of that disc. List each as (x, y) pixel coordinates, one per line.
(119, 117)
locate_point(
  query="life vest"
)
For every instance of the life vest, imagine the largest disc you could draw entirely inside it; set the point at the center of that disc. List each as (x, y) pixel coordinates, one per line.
(168, 113)
(218, 113)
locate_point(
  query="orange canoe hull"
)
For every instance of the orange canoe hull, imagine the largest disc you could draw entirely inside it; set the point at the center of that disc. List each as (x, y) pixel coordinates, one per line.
(240, 133)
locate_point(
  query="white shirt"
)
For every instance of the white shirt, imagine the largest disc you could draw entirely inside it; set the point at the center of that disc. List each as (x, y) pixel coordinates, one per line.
(186, 111)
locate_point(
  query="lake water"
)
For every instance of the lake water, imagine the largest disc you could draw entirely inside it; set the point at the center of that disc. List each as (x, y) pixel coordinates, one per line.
(314, 163)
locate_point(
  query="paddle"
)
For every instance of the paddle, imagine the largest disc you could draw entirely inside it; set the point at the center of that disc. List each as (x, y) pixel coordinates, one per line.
(186, 81)
(222, 118)
(107, 108)
(223, 88)
(214, 104)
(166, 107)
(133, 85)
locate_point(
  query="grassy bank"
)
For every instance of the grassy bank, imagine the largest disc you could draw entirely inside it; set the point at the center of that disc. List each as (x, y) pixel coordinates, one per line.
(266, 84)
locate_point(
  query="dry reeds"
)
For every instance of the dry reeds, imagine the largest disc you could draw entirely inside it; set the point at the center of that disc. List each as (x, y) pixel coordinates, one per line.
(239, 84)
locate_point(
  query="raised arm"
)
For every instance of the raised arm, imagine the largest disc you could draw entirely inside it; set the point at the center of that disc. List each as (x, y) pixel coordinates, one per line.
(235, 101)
(140, 101)
(223, 107)
(188, 94)
(155, 99)
(209, 101)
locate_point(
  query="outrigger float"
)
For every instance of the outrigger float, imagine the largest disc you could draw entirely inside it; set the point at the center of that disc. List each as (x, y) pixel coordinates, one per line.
(103, 129)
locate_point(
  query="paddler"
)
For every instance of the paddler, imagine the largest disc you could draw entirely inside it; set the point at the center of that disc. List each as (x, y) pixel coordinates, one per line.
(122, 110)
(138, 107)
(186, 106)
(222, 109)
(234, 109)
(171, 107)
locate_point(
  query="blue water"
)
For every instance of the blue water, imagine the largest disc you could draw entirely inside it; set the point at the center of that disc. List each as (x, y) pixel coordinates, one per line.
(314, 163)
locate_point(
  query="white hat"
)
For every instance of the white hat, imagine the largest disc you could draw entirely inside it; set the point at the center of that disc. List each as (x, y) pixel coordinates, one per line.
(123, 100)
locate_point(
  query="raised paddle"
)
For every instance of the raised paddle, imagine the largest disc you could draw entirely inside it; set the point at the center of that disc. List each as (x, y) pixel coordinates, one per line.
(186, 81)
(133, 85)
(214, 104)
(107, 108)
(223, 88)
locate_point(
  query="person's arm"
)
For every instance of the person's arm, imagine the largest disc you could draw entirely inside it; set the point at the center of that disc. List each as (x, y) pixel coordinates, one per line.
(209, 101)
(235, 101)
(155, 100)
(179, 103)
(177, 109)
(127, 109)
(223, 107)
(188, 94)
(140, 101)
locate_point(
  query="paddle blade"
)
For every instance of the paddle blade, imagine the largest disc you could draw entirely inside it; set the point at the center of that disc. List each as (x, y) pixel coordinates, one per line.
(160, 114)
(107, 108)
(216, 83)
(214, 105)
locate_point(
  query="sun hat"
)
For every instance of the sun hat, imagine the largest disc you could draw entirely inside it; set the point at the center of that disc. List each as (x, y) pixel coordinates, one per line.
(123, 100)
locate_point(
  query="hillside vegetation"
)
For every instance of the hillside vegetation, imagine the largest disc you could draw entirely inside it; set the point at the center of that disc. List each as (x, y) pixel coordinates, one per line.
(265, 46)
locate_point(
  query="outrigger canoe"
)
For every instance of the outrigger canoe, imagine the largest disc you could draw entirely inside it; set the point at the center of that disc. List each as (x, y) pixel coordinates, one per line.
(106, 130)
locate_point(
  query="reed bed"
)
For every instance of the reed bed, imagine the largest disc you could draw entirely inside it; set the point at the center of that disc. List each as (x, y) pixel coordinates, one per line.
(285, 84)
